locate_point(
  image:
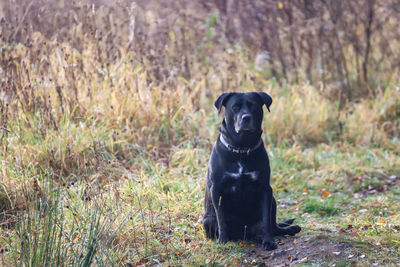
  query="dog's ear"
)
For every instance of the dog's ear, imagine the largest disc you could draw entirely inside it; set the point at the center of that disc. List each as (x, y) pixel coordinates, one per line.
(221, 101)
(266, 99)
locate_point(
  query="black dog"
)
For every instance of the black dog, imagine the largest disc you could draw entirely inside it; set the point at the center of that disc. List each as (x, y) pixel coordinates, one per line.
(239, 203)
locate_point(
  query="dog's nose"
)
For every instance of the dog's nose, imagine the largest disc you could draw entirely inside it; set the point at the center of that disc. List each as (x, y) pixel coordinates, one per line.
(246, 118)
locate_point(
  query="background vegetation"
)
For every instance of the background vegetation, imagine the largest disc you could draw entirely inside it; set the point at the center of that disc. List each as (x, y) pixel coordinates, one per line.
(107, 123)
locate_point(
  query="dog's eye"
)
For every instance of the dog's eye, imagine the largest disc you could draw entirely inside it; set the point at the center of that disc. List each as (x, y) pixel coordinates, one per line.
(236, 106)
(251, 104)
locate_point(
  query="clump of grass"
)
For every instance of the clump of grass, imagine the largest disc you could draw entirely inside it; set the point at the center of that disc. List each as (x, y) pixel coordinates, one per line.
(46, 238)
(305, 120)
(376, 121)
(323, 208)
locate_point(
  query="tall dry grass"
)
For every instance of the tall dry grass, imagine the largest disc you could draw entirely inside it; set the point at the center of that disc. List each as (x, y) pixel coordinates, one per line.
(74, 101)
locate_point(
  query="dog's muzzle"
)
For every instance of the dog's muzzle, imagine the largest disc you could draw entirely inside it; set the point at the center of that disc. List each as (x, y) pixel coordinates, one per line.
(244, 123)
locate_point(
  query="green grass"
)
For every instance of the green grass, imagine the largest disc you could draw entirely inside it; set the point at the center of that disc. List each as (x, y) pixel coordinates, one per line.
(158, 208)
(325, 208)
(109, 200)
(115, 201)
(51, 232)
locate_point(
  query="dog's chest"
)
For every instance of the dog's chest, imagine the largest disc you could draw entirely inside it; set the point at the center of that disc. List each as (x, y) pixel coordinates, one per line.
(240, 179)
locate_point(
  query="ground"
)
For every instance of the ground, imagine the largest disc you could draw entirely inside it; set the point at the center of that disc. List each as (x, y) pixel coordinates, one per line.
(303, 249)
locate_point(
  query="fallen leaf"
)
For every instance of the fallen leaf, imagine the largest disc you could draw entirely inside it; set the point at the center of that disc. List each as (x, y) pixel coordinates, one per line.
(325, 192)
(143, 261)
(242, 244)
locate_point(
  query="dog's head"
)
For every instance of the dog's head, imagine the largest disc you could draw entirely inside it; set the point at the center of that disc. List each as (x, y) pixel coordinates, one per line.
(243, 112)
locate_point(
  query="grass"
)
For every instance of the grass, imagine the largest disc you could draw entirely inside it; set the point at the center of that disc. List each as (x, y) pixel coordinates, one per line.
(52, 233)
(102, 164)
(327, 208)
(158, 208)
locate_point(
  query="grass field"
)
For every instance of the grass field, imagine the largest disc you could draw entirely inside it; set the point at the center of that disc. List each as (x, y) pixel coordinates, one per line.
(103, 164)
(148, 210)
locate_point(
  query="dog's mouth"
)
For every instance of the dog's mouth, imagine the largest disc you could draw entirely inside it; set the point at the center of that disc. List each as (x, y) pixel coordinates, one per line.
(244, 125)
(245, 129)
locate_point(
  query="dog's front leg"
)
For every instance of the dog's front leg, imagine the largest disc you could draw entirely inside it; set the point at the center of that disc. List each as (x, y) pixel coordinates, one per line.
(217, 203)
(268, 239)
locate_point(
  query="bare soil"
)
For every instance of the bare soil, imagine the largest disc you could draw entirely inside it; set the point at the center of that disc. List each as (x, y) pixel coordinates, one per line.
(292, 251)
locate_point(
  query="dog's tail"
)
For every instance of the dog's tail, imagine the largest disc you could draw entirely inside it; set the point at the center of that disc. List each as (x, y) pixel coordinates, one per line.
(286, 223)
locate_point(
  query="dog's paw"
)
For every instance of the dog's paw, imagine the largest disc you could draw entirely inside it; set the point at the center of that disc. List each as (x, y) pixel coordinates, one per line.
(269, 244)
(223, 239)
(294, 229)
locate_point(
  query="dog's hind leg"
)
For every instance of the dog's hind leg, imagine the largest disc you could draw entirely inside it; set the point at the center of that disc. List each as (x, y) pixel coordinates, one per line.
(283, 228)
(210, 227)
(210, 223)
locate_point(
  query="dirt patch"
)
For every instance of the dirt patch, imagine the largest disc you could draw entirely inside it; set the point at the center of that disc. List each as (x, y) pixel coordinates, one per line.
(295, 250)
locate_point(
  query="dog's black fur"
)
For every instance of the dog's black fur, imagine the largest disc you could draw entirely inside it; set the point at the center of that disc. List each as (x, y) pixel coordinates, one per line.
(238, 202)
